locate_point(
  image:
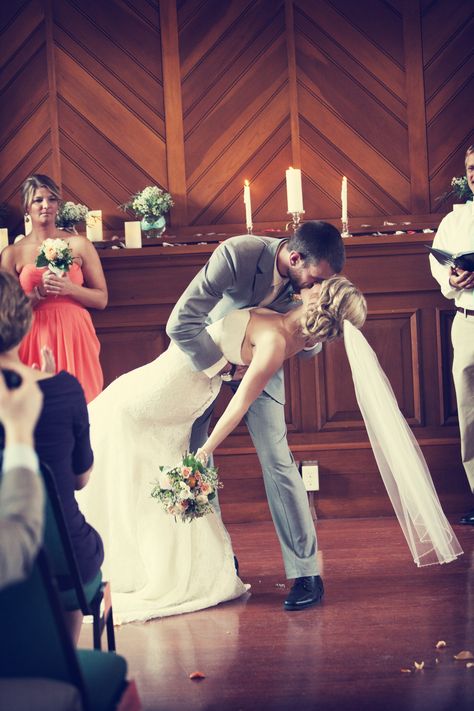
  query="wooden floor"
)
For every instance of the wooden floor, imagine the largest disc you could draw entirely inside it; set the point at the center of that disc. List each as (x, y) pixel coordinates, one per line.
(380, 614)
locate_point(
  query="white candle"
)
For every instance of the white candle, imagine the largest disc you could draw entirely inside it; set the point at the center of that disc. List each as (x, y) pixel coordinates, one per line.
(94, 226)
(294, 192)
(133, 235)
(248, 206)
(3, 238)
(344, 199)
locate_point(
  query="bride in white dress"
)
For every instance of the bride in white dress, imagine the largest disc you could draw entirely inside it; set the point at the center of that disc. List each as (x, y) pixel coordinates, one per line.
(158, 566)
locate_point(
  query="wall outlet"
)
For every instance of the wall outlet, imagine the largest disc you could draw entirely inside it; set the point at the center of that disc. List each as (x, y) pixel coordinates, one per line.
(310, 474)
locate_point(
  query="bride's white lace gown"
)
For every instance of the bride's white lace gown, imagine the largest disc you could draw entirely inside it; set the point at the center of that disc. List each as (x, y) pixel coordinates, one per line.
(157, 566)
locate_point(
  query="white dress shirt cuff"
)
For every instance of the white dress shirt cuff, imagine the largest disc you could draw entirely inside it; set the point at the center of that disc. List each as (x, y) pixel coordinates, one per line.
(216, 368)
(20, 455)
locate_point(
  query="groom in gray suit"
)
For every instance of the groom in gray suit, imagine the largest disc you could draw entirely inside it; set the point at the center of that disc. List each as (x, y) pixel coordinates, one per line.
(249, 271)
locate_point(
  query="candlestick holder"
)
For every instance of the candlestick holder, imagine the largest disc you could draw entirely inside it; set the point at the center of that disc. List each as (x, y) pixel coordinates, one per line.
(295, 222)
(345, 229)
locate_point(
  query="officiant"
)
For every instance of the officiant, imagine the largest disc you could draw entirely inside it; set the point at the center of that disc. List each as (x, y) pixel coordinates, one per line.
(456, 234)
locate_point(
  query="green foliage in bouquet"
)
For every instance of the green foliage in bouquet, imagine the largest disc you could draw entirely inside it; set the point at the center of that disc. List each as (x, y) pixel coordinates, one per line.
(186, 490)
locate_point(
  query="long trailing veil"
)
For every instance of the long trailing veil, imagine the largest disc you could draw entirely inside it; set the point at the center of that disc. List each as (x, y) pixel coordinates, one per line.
(401, 463)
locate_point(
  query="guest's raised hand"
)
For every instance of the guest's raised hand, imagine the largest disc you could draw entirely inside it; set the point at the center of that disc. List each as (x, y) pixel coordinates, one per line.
(48, 363)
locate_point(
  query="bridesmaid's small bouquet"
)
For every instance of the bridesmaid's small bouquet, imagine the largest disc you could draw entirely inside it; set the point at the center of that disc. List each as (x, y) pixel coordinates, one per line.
(56, 255)
(186, 490)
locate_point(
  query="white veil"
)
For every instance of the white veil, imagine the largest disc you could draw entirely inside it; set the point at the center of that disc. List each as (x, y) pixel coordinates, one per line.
(401, 463)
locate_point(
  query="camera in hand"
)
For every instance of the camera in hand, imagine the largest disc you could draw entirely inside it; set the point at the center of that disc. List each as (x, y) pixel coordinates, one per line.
(12, 379)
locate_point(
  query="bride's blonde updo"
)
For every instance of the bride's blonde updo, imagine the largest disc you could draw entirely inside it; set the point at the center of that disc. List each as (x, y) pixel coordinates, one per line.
(338, 300)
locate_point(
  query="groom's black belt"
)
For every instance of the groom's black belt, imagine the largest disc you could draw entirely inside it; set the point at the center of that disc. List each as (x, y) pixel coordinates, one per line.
(466, 312)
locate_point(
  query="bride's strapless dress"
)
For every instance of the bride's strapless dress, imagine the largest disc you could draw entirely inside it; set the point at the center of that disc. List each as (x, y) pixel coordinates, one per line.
(157, 566)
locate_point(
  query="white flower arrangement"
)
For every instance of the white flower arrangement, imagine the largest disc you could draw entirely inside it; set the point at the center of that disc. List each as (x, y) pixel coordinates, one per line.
(461, 189)
(70, 214)
(150, 203)
(56, 255)
(186, 490)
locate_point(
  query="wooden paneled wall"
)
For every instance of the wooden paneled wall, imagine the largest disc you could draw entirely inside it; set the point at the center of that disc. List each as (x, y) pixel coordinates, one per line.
(197, 95)
(408, 327)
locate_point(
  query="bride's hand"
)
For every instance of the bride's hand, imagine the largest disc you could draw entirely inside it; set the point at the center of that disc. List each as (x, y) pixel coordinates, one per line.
(202, 456)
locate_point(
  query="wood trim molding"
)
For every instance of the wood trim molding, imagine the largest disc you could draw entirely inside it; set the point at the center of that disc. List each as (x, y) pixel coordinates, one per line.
(292, 85)
(416, 112)
(173, 111)
(53, 93)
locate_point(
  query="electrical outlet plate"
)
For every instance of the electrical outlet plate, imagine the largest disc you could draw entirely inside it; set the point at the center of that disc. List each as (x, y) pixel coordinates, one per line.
(310, 474)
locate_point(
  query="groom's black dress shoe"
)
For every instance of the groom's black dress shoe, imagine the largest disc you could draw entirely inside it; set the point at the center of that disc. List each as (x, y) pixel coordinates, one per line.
(305, 592)
(468, 518)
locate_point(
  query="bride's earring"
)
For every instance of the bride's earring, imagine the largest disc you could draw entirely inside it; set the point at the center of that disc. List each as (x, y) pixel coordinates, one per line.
(27, 217)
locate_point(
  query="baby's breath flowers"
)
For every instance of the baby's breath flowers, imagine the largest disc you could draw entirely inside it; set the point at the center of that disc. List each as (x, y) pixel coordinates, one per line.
(70, 214)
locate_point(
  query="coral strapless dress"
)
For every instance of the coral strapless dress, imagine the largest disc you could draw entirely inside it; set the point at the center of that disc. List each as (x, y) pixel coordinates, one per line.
(66, 327)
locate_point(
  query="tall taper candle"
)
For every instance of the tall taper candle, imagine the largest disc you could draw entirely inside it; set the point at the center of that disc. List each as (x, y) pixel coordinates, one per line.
(133, 234)
(94, 226)
(248, 206)
(294, 192)
(344, 200)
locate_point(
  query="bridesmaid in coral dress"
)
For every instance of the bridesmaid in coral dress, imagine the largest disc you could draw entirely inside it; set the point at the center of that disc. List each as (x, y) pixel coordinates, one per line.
(61, 319)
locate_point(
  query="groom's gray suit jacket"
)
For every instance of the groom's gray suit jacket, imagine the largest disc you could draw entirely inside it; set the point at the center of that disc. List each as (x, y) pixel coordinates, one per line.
(238, 274)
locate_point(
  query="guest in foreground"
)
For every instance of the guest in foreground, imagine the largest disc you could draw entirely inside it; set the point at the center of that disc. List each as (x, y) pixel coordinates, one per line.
(251, 271)
(21, 490)
(61, 319)
(159, 566)
(61, 434)
(456, 234)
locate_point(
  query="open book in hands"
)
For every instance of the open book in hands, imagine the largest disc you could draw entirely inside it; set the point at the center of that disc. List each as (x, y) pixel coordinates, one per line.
(461, 260)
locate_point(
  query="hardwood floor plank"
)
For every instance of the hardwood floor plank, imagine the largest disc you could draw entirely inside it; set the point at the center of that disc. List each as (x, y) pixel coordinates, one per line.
(380, 614)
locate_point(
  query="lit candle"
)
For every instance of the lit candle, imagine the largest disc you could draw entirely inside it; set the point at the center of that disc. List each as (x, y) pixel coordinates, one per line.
(294, 192)
(344, 199)
(3, 238)
(248, 206)
(133, 235)
(94, 226)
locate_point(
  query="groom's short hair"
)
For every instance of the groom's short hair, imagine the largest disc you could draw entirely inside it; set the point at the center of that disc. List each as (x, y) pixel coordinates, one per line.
(316, 240)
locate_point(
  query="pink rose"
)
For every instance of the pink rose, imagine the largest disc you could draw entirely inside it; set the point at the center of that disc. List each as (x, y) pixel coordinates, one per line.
(186, 472)
(206, 488)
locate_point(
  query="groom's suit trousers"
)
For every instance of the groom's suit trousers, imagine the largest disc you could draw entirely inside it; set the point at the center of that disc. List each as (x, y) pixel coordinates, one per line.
(286, 494)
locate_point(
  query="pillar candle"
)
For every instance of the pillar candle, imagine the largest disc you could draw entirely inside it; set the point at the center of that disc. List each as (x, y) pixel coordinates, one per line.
(3, 238)
(248, 206)
(294, 192)
(344, 199)
(133, 234)
(94, 226)
(28, 225)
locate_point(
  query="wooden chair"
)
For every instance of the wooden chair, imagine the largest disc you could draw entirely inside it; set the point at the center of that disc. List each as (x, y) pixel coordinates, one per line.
(92, 598)
(34, 643)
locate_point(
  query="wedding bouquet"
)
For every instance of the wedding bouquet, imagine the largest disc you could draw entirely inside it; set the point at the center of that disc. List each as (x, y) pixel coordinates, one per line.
(70, 214)
(186, 490)
(56, 255)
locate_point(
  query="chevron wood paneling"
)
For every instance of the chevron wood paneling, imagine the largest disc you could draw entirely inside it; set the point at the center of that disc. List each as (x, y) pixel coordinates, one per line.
(83, 98)
(447, 30)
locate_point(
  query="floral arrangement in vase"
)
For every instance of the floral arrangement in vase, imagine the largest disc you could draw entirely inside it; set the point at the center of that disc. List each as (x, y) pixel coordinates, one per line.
(69, 215)
(460, 190)
(186, 490)
(150, 205)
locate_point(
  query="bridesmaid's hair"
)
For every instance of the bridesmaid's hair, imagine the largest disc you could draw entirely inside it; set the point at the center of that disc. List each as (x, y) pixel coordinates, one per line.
(32, 184)
(316, 240)
(15, 312)
(339, 300)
